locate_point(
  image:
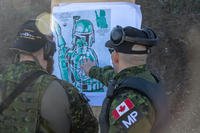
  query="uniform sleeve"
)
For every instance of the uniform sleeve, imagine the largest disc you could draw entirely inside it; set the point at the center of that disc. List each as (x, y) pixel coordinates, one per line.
(131, 112)
(104, 74)
(55, 108)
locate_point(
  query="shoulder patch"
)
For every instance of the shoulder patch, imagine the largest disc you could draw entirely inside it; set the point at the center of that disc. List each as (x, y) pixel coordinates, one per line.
(122, 108)
(130, 120)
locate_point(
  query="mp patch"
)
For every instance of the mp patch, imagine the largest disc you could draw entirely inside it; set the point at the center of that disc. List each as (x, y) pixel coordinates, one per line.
(130, 120)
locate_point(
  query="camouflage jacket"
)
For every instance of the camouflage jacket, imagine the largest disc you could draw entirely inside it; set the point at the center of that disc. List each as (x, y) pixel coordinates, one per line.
(21, 115)
(130, 111)
(24, 113)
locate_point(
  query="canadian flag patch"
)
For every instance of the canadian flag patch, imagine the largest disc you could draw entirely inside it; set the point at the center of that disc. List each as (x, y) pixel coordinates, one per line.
(121, 109)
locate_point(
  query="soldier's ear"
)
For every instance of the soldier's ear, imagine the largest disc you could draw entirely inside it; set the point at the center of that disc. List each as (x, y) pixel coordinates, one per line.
(115, 57)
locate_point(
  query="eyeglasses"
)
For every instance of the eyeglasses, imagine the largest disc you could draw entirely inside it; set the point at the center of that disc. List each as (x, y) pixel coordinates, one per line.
(111, 50)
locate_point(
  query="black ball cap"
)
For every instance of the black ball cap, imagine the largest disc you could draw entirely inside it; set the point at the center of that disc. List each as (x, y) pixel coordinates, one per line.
(29, 38)
(128, 31)
(123, 39)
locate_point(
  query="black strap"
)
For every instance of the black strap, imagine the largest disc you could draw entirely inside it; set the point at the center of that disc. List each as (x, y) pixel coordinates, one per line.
(156, 95)
(153, 91)
(20, 88)
(104, 114)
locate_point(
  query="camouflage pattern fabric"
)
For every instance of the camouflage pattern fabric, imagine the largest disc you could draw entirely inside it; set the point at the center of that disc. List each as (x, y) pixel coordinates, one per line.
(82, 117)
(138, 119)
(130, 111)
(104, 74)
(22, 114)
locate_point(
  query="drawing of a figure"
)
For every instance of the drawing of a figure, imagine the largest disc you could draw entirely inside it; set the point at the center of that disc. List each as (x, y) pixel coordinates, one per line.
(83, 38)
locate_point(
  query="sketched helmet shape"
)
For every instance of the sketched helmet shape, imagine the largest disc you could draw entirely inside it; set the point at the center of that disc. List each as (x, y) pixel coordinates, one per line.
(83, 33)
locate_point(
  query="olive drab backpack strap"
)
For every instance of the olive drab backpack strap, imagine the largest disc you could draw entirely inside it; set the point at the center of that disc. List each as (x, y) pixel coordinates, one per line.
(19, 89)
(81, 115)
(41, 85)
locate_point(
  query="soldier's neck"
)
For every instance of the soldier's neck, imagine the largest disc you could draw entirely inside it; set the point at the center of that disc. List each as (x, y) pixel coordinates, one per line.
(124, 66)
(26, 58)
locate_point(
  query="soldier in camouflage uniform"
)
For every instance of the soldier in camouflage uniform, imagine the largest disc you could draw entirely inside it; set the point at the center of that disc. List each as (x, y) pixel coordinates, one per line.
(130, 106)
(34, 101)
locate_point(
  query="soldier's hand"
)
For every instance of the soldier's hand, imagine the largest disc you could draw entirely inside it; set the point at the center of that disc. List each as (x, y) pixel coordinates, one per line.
(87, 64)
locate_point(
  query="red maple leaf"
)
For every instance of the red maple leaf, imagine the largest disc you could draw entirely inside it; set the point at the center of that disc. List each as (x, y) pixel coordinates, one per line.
(122, 108)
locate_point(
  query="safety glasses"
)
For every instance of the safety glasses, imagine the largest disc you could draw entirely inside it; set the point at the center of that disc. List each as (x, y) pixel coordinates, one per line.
(111, 50)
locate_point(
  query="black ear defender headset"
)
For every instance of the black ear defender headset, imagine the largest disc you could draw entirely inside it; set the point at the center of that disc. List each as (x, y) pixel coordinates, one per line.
(29, 39)
(118, 36)
(50, 46)
(49, 49)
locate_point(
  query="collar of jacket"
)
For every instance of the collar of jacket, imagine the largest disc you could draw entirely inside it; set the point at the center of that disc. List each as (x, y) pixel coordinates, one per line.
(15, 72)
(130, 71)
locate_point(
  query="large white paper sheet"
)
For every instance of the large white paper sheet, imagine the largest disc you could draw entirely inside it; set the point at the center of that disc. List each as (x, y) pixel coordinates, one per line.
(80, 31)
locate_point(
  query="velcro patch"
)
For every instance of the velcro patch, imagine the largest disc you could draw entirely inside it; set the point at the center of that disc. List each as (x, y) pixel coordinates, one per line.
(130, 120)
(122, 108)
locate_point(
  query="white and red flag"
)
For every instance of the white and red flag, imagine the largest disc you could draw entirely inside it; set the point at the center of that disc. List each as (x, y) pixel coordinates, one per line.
(121, 109)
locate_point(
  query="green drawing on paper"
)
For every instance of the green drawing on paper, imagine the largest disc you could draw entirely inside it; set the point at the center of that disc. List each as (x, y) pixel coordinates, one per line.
(101, 19)
(70, 59)
(62, 51)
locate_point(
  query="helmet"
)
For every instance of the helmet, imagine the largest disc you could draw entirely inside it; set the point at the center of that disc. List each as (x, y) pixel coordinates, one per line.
(83, 33)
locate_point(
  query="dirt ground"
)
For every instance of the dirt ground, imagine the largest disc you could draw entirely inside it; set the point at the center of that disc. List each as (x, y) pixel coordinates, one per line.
(175, 60)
